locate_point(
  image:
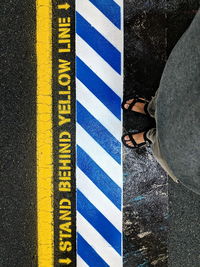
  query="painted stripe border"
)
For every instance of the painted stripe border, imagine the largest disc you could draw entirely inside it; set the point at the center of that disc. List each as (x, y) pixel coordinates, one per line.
(99, 85)
(44, 133)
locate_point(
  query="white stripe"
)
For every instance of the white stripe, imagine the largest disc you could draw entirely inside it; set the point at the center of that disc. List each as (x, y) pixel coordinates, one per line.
(99, 155)
(81, 262)
(99, 66)
(99, 21)
(98, 110)
(98, 243)
(99, 200)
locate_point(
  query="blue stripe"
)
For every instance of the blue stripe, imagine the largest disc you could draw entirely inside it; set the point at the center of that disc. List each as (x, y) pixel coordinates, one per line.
(99, 222)
(107, 96)
(88, 254)
(101, 135)
(99, 177)
(110, 9)
(98, 42)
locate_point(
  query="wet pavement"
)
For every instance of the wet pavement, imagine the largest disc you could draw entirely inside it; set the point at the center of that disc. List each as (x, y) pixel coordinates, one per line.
(160, 218)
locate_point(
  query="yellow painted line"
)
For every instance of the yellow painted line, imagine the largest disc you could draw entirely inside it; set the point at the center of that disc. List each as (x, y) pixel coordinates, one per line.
(44, 133)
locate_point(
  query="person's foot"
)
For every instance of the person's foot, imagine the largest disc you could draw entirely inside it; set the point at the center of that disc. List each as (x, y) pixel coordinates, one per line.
(136, 105)
(138, 137)
(134, 140)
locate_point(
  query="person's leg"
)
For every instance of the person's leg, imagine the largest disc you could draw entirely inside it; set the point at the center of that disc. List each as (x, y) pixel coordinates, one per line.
(152, 136)
(151, 108)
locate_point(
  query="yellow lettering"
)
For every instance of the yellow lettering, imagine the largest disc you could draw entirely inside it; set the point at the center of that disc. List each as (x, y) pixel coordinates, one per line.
(66, 227)
(65, 246)
(65, 164)
(65, 261)
(63, 120)
(64, 186)
(64, 107)
(64, 66)
(67, 201)
(65, 215)
(64, 6)
(62, 236)
(64, 79)
(66, 134)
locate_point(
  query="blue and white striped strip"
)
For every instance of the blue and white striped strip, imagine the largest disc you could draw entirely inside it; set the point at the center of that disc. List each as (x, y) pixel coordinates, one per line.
(99, 85)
